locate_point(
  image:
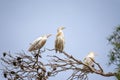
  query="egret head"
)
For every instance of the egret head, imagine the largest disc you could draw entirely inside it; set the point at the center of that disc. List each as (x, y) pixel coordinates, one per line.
(61, 28)
(91, 54)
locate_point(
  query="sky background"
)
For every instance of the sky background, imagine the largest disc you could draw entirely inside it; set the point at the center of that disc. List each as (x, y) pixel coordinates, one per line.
(88, 24)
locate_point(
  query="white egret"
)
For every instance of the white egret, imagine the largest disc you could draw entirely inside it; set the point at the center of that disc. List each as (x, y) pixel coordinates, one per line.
(38, 43)
(88, 60)
(60, 41)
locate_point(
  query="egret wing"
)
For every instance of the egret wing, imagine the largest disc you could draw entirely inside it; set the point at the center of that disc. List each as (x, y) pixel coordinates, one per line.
(34, 44)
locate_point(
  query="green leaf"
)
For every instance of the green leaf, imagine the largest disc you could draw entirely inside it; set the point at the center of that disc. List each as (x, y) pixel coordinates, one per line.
(118, 75)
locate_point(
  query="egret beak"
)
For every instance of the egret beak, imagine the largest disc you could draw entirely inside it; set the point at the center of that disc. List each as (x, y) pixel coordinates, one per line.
(63, 28)
(49, 35)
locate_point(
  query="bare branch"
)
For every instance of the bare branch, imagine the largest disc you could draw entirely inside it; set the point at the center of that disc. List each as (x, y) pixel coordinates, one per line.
(71, 63)
(32, 66)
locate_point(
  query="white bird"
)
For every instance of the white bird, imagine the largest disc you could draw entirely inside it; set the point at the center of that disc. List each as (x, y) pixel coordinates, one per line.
(60, 41)
(38, 43)
(88, 60)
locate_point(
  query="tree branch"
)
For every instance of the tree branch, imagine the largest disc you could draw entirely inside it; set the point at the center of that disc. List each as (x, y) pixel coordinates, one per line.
(32, 67)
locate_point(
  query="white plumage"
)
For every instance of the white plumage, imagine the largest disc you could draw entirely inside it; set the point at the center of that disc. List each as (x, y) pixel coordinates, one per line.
(88, 60)
(60, 41)
(38, 43)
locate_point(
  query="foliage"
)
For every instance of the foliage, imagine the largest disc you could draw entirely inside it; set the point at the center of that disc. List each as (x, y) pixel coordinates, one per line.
(114, 55)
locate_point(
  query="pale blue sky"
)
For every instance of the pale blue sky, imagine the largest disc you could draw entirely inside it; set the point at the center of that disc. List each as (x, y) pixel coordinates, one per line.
(88, 24)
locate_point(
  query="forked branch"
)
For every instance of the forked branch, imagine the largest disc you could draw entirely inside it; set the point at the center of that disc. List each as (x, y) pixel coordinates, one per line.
(32, 67)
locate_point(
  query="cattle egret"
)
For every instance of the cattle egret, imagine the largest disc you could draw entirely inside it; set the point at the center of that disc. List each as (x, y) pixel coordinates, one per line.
(88, 60)
(39, 43)
(60, 41)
